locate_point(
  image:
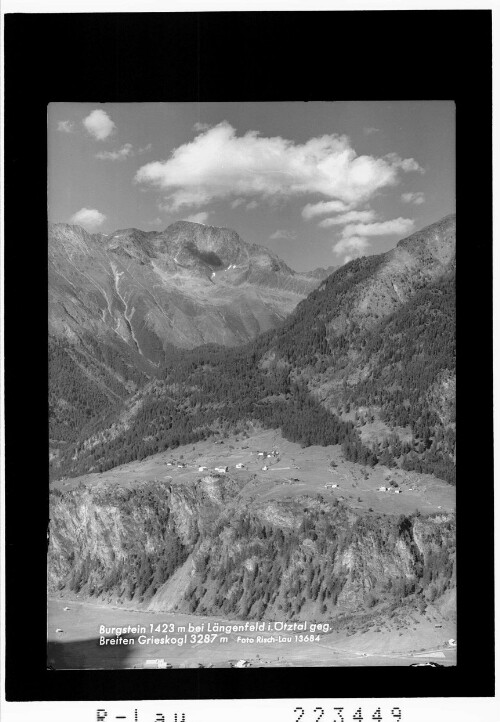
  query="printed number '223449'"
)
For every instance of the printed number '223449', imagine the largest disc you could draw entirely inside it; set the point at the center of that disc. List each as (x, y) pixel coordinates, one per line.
(340, 714)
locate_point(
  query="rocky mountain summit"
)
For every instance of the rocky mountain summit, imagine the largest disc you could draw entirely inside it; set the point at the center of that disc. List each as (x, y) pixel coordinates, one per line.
(187, 285)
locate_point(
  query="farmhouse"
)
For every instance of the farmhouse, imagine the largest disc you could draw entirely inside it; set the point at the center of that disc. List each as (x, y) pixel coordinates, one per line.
(383, 488)
(240, 466)
(265, 468)
(221, 469)
(203, 468)
(241, 663)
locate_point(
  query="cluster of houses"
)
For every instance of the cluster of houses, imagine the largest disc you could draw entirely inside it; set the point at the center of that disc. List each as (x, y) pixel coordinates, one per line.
(389, 488)
(331, 486)
(268, 454)
(274, 454)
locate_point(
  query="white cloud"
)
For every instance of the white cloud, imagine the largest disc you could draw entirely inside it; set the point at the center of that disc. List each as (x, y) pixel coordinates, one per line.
(201, 127)
(198, 217)
(218, 164)
(383, 228)
(370, 130)
(250, 206)
(281, 233)
(99, 124)
(323, 207)
(354, 240)
(406, 164)
(354, 247)
(351, 216)
(65, 126)
(125, 152)
(417, 198)
(88, 217)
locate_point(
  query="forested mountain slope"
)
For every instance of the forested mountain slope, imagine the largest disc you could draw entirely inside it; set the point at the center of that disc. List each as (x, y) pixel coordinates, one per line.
(118, 303)
(198, 548)
(366, 361)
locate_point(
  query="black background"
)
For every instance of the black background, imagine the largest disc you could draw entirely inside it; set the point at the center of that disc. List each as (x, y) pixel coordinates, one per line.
(361, 55)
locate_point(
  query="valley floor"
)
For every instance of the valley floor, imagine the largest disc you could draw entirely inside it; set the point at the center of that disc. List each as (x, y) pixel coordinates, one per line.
(74, 642)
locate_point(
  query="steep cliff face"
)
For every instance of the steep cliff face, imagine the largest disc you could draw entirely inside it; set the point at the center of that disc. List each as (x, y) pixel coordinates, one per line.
(199, 549)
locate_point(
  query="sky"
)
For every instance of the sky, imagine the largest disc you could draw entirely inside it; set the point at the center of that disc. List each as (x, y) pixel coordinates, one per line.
(318, 183)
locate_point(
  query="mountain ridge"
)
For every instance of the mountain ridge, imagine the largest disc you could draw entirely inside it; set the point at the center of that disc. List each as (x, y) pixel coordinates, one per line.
(187, 285)
(376, 377)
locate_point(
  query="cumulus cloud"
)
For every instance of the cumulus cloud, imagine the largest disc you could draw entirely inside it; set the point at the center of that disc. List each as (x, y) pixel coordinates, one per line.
(406, 164)
(218, 164)
(351, 216)
(88, 217)
(124, 152)
(354, 240)
(65, 126)
(320, 209)
(250, 206)
(200, 127)
(383, 228)
(354, 247)
(370, 130)
(99, 124)
(417, 198)
(198, 217)
(281, 233)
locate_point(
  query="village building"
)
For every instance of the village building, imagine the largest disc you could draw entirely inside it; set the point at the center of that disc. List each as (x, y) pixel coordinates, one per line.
(221, 469)
(241, 663)
(240, 466)
(202, 468)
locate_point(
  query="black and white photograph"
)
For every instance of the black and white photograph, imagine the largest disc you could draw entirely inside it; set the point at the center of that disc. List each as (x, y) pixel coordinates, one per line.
(251, 384)
(248, 356)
